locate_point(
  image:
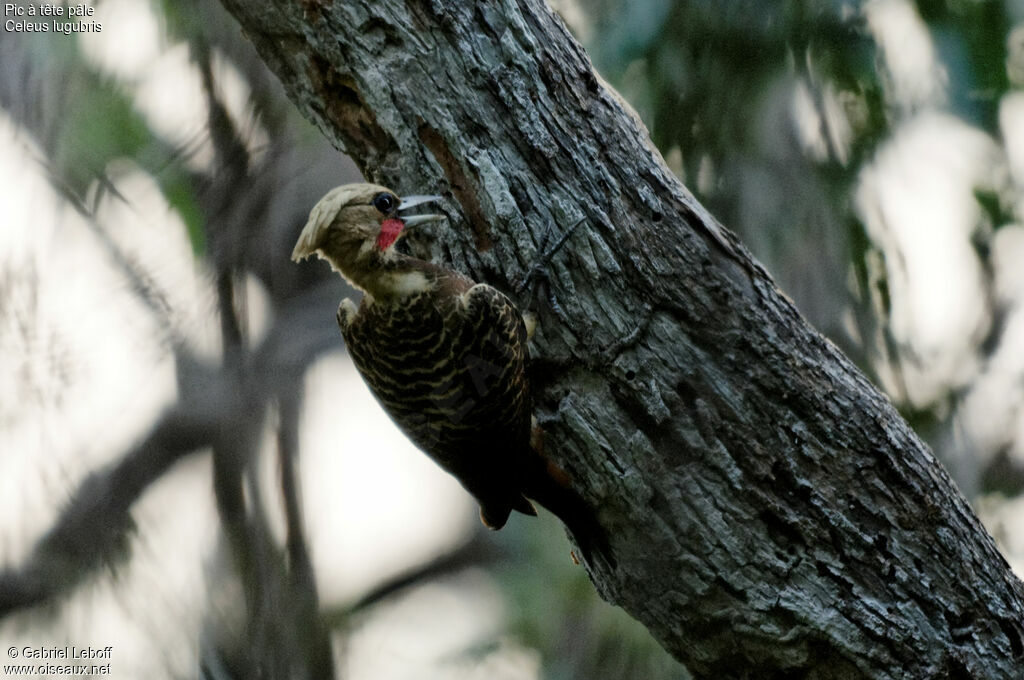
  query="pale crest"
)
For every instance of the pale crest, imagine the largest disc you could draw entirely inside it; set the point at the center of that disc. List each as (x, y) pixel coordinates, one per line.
(323, 215)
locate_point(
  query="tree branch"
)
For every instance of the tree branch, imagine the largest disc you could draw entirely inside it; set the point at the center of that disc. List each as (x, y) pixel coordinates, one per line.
(770, 513)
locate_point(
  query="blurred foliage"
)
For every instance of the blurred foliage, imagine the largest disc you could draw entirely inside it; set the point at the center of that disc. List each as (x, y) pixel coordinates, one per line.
(715, 80)
(971, 37)
(92, 120)
(554, 608)
(106, 127)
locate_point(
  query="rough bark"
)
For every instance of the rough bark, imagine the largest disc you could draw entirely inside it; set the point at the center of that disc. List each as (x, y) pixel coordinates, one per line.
(770, 513)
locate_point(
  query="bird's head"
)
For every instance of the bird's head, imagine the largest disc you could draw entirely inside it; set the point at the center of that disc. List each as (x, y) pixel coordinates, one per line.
(355, 228)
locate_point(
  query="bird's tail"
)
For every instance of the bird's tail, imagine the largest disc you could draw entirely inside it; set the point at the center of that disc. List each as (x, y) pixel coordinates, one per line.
(550, 486)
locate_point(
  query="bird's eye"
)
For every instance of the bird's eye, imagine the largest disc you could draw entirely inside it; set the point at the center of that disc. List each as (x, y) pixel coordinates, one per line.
(385, 203)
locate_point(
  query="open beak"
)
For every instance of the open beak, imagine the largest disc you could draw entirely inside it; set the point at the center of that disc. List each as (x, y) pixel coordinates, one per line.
(412, 202)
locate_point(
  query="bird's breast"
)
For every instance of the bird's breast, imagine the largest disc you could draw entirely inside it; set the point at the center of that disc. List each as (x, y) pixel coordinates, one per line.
(443, 377)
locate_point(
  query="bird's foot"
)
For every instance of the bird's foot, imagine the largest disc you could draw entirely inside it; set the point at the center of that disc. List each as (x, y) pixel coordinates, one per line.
(538, 275)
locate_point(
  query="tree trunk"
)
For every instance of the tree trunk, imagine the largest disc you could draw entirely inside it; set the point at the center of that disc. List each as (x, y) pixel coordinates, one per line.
(770, 514)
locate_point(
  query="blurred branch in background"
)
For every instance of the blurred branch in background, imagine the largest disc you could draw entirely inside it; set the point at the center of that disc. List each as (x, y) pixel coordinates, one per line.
(221, 407)
(93, 529)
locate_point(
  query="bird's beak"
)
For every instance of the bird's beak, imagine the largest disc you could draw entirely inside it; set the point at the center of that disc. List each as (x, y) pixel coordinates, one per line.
(412, 202)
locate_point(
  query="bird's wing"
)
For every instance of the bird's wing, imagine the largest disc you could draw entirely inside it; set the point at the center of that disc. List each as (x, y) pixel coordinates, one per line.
(492, 338)
(347, 311)
(495, 320)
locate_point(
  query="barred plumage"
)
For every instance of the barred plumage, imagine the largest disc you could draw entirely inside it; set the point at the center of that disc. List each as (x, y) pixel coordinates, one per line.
(445, 356)
(450, 369)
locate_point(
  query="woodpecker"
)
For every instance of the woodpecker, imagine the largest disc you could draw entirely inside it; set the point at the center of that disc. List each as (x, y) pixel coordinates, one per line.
(445, 356)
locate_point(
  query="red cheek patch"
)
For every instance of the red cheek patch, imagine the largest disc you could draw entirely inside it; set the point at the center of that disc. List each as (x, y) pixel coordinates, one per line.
(389, 231)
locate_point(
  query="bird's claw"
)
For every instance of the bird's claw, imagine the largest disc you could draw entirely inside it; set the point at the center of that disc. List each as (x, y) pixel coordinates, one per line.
(538, 273)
